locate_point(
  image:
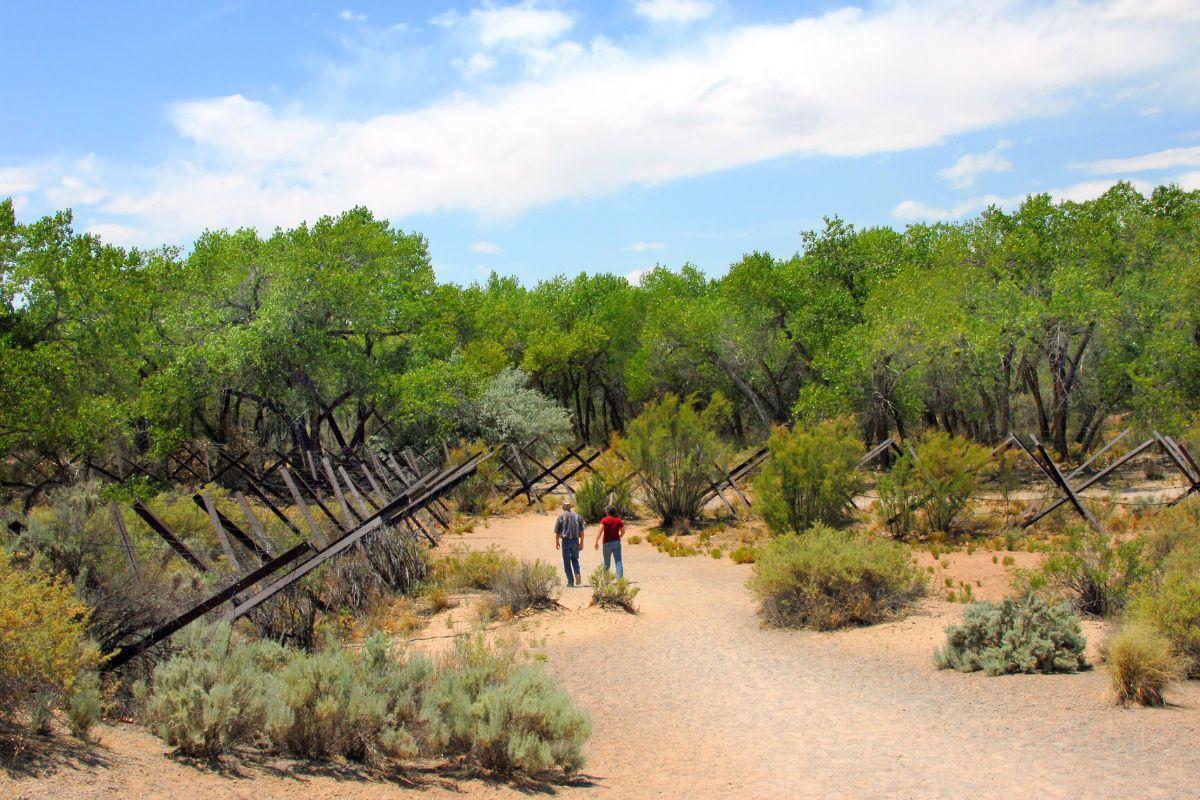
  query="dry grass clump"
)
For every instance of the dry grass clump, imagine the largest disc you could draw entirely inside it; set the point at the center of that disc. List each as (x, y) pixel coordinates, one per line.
(609, 591)
(671, 545)
(526, 585)
(1141, 665)
(462, 568)
(744, 554)
(825, 579)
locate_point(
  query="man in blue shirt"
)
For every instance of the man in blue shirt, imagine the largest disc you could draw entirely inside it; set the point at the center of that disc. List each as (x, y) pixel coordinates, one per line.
(568, 533)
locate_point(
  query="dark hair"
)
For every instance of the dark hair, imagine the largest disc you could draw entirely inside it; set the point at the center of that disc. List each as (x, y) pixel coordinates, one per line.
(611, 511)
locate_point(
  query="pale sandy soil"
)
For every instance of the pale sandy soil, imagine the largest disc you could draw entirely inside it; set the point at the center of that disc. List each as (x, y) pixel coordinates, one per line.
(692, 698)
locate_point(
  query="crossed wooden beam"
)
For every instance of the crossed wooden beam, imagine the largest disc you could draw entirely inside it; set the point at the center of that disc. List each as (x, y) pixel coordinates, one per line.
(305, 557)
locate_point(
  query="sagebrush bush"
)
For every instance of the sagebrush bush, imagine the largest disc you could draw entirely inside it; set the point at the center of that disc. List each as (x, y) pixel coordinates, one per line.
(824, 579)
(526, 585)
(363, 707)
(43, 649)
(1141, 665)
(1025, 635)
(216, 694)
(471, 569)
(492, 713)
(811, 476)
(481, 706)
(609, 591)
(675, 449)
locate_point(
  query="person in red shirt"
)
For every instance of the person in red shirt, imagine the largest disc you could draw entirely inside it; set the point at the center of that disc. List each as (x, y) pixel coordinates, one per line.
(612, 528)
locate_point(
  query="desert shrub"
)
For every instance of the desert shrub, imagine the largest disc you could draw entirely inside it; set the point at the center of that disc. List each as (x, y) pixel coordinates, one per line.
(42, 642)
(811, 476)
(825, 579)
(635, 539)
(526, 585)
(85, 706)
(948, 470)
(744, 554)
(673, 546)
(400, 561)
(471, 569)
(1171, 606)
(491, 713)
(292, 616)
(74, 537)
(473, 495)
(1141, 665)
(609, 591)
(608, 485)
(216, 694)
(1016, 635)
(509, 411)
(361, 707)
(1095, 573)
(900, 498)
(674, 448)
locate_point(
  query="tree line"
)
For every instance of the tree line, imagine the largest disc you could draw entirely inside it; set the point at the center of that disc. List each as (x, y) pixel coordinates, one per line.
(1051, 318)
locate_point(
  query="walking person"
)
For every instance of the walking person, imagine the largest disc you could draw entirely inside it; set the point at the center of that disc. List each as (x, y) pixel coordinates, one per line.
(568, 536)
(612, 528)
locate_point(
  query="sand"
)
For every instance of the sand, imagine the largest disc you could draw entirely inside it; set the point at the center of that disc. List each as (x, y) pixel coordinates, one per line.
(692, 698)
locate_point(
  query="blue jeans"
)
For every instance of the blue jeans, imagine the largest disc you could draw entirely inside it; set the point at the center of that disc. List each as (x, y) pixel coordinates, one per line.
(613, 550)
(570, 554)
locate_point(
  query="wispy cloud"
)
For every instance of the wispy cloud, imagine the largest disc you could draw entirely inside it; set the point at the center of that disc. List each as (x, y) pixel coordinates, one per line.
(352, 16)
(488, 248)
(847, 83)
(917, 211)
(674, 10)
(1163, 159)
(525, 22)
(969, 166)
(639, 247)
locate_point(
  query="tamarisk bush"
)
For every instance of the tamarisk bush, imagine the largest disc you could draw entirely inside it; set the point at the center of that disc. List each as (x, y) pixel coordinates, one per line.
(825, 579)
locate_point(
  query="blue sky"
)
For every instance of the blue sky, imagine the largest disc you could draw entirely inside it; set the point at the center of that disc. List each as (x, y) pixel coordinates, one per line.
(541, 137)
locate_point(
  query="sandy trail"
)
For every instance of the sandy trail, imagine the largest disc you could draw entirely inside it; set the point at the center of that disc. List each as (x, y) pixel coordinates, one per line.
(692, 698)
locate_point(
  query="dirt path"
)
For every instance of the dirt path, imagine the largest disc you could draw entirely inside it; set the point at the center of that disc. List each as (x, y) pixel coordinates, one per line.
(692, 698)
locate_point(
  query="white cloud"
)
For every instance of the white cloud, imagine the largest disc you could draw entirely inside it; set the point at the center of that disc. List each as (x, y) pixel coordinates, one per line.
(113, 233)
(915, 210)
(522, 23)
(1163, 159)
(488, 248)
(674, 10)
(638, 247)
(352, 16)
(971, 165)
(844, 84)
(474, 66)
(634, 276)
